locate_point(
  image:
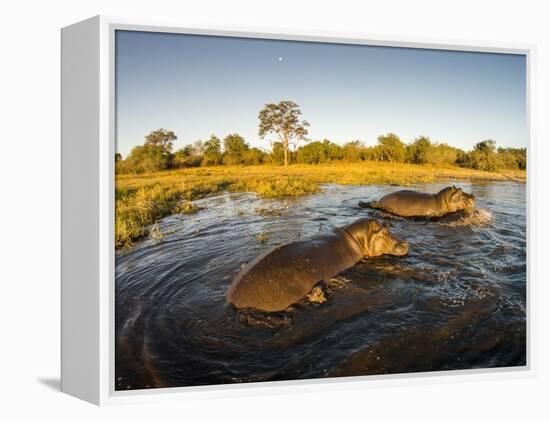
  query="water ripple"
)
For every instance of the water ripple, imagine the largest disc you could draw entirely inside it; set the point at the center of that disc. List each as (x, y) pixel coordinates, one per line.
(456, 301)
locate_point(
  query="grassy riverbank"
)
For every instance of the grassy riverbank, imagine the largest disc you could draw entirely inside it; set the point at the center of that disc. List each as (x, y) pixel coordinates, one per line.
(142, 199)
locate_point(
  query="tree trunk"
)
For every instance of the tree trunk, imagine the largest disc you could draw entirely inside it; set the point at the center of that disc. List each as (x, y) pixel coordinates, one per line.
(285, 150)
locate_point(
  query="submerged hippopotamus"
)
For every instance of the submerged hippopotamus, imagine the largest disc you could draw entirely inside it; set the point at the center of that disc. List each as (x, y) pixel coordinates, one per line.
(415, 204)
(285, 274)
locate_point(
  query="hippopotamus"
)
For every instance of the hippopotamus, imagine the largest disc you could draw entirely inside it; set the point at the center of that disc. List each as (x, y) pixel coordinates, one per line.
(284, 275)
(410, 203)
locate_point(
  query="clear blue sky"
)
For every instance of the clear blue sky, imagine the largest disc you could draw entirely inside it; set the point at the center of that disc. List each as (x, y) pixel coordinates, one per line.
(203, 85)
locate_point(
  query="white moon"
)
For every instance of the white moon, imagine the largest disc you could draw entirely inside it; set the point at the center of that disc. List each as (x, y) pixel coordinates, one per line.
(280, 59)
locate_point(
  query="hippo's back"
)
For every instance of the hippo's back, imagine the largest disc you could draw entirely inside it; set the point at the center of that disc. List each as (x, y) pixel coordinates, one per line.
(284, 275)
(409, 203)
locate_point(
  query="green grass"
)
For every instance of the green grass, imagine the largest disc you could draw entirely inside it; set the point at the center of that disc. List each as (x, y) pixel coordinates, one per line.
(143, 199)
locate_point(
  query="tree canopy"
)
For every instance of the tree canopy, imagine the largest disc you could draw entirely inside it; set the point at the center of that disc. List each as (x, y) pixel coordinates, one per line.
(390, 148)
(283, 120)
(161, 138)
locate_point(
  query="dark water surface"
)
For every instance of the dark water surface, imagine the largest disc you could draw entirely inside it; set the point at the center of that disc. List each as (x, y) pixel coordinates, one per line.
(456, 301)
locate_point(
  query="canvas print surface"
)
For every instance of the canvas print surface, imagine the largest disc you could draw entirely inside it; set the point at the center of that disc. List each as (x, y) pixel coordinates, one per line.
(304, 210)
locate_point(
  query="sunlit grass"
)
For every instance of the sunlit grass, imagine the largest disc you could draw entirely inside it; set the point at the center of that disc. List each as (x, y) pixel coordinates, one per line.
(143, 199)
(186, 208)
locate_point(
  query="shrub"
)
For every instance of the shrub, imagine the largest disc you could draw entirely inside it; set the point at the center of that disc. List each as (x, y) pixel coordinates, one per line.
(441, 154)
(390, 148)
(212, 152)
(147, 158)
(319, 152)
(253, 156)
(418, 150)
(514, 157)
(353, 151)
(187, 157)
(483, 157)
(312, 153)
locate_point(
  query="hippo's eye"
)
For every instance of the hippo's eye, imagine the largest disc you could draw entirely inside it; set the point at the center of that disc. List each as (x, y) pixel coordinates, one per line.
(375, 225)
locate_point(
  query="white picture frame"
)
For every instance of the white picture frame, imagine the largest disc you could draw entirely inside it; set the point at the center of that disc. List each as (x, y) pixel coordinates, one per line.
(88, 251)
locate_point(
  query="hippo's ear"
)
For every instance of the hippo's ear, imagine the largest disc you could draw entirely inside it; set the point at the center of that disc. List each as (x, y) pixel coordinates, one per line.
(456, 194)
(374, 224)
(383, 230)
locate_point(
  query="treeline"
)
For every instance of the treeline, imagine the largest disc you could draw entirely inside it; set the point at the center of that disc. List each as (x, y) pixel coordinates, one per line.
(157, 153)
(389, 148)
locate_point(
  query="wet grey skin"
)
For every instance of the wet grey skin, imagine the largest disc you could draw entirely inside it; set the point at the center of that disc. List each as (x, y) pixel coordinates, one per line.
(285, 274)
(408, 203)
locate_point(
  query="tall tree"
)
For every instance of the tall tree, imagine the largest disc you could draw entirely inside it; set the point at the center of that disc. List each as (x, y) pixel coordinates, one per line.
(486, 146)
(212, 151)
(283, 120)
(390, 148)
(154, 155)
(161, 138)
(484, 156)
(213, 146)
(234, 144)
(234, 148)
(198, 147)
(419, 150)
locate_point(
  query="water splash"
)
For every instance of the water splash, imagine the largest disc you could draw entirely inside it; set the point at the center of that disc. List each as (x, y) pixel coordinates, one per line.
(476, 218)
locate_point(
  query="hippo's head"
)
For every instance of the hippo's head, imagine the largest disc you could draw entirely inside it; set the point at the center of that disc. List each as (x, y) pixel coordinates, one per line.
(376, 240)
(456, 199)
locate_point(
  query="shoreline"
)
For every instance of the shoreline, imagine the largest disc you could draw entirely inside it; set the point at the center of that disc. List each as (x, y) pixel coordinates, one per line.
(143, 199)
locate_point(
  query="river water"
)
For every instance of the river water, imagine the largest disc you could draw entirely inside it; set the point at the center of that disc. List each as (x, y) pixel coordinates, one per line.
(456, 301)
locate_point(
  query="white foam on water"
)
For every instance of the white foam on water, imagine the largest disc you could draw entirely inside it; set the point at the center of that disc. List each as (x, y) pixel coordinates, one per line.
(477, 218)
